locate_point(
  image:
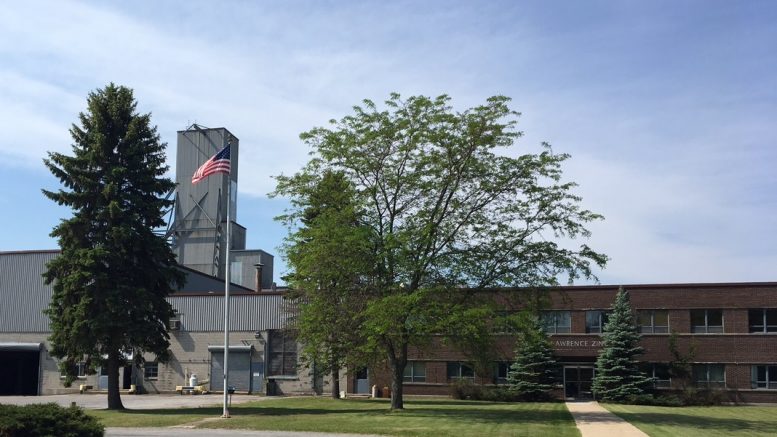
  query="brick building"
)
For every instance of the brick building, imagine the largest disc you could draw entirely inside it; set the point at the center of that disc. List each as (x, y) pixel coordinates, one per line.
(732, 329)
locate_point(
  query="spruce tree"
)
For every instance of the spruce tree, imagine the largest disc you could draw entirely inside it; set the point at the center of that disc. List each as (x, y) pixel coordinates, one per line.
(329, 255)
(112, 277)
(534, 372)
(618, 376)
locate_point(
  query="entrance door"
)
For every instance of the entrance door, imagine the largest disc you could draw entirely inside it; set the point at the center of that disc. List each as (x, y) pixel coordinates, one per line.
(362, 381)
(577, 382)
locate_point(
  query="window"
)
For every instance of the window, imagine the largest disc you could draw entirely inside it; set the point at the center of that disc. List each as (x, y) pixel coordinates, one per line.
(660, 374)
(706, 321)
(79, 369)
(762, 320)
(595, 321)
(500, 372)
(556, 322)
(709, 375)
(460, 371)
(283, 353)
(653, 321)
(150, 370)
(764, 377)
(415, 371)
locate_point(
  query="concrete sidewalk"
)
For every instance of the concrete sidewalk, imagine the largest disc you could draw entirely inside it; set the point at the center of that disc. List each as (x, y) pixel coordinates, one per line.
(593, 420)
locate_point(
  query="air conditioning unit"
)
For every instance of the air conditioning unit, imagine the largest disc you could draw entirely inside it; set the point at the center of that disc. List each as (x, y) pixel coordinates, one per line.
(175, 325)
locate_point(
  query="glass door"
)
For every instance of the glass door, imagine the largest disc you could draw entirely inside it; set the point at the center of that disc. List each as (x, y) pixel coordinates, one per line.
(577, 382)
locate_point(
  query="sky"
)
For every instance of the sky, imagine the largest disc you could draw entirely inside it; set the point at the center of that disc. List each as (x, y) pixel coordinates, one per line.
(668, 108)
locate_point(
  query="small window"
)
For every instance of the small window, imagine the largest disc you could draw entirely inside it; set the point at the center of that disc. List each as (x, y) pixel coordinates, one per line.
(460, 371)
(653, 321)
(150, 370)
(79, 369)
(659, 372)
(556, 322)
(709, 375)
(764, 377)
(706, 321)
(500, 372)
(762, 320)
(595, 321)
(415, 371)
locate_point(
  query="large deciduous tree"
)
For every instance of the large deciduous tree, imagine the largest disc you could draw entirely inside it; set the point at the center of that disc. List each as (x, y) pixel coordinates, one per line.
(329, 256)
(618, 376)
(451, 209)
(112, 277)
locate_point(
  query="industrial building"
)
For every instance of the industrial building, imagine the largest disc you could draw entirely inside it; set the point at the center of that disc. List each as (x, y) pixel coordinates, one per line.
(261, 349)
(729, 331)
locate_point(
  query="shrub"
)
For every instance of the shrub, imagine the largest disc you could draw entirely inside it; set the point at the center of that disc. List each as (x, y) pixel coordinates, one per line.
(47, 420)
(656, 400)
(464, 389)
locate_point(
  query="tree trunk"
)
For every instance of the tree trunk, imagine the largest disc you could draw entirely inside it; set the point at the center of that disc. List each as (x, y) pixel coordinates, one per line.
(398, 364)
(114, 398)
(335, 382)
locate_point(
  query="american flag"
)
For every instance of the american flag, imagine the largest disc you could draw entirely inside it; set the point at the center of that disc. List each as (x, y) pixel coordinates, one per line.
(218, 163)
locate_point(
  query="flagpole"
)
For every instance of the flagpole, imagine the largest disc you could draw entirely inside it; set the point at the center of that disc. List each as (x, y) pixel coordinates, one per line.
(226, 298)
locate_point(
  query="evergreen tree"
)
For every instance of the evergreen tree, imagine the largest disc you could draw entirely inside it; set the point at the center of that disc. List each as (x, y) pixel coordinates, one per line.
(535, 370)
(617, 370)
(112, 277)
(329, 255)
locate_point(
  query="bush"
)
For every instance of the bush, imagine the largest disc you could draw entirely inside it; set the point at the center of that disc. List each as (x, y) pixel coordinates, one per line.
(656, 400)
(464, 389)
(47, 420)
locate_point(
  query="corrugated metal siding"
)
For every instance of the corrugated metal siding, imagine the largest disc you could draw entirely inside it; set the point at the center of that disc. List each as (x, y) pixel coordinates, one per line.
(248, 312)
(23, 295)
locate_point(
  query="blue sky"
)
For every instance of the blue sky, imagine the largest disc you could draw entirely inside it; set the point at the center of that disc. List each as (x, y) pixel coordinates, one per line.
(667, 108)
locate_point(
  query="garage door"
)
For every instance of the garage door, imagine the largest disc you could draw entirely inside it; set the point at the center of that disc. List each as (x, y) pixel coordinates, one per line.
(19, 369)
(239, 367)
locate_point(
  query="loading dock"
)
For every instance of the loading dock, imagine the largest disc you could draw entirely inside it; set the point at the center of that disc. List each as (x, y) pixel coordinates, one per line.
(20, 369)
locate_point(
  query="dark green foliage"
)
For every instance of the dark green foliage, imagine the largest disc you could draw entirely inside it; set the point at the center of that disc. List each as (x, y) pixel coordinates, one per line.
(44, 420)
(535, 371)
(450, 210)
(617, 375)
(329, 256)
(467, 390)
(113, 275)
(680, 368)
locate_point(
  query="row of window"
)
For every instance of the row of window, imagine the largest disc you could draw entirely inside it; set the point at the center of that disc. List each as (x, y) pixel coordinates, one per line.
(150, 370)
(282, 359)
(708, 321)
(707, 375)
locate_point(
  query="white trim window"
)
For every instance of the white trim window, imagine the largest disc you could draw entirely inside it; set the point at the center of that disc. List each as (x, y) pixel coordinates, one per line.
(707, 321)
(653, 321)
(415, 371)
(150, 370)
(762, 320)
(458, 371)
(556, 322)
(764, 377)
(709, 375)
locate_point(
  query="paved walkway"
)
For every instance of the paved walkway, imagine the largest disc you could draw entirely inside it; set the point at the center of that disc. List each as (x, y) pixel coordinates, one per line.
(593, 420)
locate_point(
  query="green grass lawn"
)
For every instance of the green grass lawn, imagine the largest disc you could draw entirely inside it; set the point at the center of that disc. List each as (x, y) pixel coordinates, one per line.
(720, 421)
(428, 417)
